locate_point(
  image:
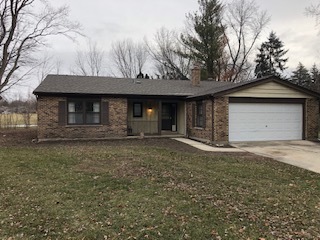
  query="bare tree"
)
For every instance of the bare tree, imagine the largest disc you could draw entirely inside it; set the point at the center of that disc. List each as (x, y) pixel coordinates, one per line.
(89, 62)
(28, 109)
(314, 11)
(45, 67)
(166, 52)
(245, 23)
(128, 57)
(23, 31)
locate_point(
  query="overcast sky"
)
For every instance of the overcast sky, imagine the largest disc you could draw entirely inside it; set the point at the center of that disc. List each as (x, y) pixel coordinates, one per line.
(105, 21)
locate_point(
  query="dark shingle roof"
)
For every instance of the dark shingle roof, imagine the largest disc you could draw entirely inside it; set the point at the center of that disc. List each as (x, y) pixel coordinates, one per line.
(231, 86)
(85, 85)
(64, 84)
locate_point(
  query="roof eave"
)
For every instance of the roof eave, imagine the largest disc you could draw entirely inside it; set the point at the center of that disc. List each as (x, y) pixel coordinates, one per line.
(108, 95)
(266, 80)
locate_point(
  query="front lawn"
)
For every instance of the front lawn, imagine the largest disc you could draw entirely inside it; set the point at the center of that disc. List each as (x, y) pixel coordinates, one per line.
(149, 189)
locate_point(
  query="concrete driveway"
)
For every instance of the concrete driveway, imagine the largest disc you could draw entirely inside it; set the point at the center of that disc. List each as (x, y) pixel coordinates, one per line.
(304, 154)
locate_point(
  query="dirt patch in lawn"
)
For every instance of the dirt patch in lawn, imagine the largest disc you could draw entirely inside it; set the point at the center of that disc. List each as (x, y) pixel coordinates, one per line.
(18, 137)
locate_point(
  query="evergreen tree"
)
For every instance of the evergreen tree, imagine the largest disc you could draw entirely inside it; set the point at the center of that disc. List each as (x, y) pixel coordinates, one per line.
(315, 78)
(206, 41)
(270, 60)
(301, 76)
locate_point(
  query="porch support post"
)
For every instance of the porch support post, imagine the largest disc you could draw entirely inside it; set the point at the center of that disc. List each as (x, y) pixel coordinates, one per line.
(160, 117)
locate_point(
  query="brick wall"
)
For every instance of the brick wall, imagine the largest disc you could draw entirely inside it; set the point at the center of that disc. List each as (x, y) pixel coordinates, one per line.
(312, 119)
(221, 119)
(49, 128)
(204, 133)
(216, 129)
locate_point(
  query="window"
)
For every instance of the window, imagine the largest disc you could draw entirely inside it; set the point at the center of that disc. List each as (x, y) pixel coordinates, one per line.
(84, 112)
(137, 109)
(199, 115)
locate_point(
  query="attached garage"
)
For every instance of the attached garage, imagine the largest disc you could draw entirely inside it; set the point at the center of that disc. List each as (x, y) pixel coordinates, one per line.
(264, 109)
(271, 110)
(265, 121)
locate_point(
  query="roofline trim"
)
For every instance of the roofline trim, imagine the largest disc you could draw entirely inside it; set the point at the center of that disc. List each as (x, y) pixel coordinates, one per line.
(50, 94)
(266, 80)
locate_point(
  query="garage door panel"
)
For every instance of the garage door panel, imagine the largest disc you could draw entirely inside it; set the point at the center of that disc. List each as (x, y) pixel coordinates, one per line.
(265, 121)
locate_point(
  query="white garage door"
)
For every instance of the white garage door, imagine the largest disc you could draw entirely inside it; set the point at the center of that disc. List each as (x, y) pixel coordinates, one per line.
(265, 121)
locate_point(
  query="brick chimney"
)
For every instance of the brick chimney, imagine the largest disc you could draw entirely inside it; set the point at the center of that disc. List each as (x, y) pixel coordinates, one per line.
(195, 74)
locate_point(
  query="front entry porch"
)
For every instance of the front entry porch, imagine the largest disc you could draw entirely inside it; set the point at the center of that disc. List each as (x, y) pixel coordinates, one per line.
(156, 117)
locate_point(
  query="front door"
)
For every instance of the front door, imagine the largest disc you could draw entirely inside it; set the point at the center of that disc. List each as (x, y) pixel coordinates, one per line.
(169, 117)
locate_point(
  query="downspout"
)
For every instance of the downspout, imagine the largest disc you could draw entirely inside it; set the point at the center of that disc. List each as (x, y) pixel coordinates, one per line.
(212, 119)
(305, 119)
(185, 119)
(159, 117)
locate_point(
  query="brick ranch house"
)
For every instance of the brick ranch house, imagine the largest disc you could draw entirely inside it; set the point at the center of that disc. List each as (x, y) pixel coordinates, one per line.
(80, 107)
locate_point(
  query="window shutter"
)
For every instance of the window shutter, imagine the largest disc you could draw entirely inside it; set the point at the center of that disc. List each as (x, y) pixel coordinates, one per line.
(62, 113)
(105, 113)
(193, 115)
(204, 114)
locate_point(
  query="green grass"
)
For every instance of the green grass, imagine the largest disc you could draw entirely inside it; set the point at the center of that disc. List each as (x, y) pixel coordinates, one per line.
(88, 191)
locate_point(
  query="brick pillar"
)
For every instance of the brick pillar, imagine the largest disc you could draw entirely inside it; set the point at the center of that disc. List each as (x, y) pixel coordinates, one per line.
(221, 119)
(312, 119)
